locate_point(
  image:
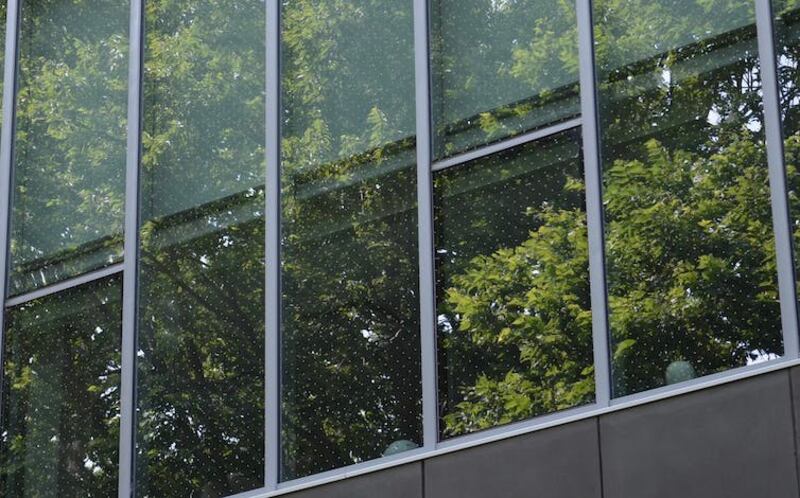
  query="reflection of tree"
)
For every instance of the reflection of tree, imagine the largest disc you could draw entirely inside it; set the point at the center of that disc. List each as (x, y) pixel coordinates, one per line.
(689, 241)
(70, 140)
(787, 42)
(200, 372)
(61, 394)
(514, 320)
(500, 68)
(351, 380)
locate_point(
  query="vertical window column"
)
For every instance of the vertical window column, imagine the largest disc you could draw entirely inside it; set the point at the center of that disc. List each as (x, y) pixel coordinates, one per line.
(425, 229)
(777, 177)
(9, 38)
(594, 202)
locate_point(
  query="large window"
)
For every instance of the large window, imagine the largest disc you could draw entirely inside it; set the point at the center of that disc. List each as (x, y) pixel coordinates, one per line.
(60, 420)
(350, 356)
(69, 149)
(514, 313)
(692, 278)
(248, 245)
(500, 68)
(200, 352)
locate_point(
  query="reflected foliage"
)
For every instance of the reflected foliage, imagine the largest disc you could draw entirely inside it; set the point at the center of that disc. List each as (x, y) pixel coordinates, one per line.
(514, 311)
(70, 139)
(689, 237)
(200, 428)
(500, 67)
(350, 352)
(689, 241)
(690, 248)
(787, 45)
(60, 419)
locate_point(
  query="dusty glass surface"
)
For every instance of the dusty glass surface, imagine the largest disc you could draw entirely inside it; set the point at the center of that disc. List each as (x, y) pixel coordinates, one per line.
(200, 372)
(512, 282)
(692, 278)
(350, 304)
(69, 150)
(500, 68)
(60, 404)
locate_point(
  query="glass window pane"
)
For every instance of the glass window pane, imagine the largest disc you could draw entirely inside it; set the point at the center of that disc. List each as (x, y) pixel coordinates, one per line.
(787, 47)
(200, 374)
(350, 354)
(512, 280)
(60, 404)
(69, 171)
(499, 68)
(692, 281)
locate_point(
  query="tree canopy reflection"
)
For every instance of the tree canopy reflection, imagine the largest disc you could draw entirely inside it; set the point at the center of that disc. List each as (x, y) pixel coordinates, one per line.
(689, 239)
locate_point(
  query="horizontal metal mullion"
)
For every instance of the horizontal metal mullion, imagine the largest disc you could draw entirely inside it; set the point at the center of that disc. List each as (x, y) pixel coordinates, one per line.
(506, 144)
(64, 285)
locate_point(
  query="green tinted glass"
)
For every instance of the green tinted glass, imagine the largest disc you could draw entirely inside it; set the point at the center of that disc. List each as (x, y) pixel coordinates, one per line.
(60, 404)
(69, 150)
(200, 372)
(692, 281)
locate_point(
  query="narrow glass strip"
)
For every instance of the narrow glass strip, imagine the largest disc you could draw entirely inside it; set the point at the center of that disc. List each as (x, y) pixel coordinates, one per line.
(427, 307)
(131, 255)
(6, 140)
(272, 218)
(777, 178)
(594, 203)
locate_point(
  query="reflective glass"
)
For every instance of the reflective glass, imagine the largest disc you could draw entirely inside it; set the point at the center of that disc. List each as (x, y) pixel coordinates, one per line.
(60, 403)
(787, 47)
(499, 68)
(350, 351)
(69, 167)
(512, 280)
(692, 280)
(200, 372)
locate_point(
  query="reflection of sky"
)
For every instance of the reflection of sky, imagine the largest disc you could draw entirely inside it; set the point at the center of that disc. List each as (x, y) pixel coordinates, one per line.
(757, 356)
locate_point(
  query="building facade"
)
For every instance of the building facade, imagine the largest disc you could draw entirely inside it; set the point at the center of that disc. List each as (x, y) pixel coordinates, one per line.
(399, 248)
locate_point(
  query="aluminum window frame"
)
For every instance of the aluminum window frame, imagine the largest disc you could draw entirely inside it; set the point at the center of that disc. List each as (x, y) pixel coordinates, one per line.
(432, 443)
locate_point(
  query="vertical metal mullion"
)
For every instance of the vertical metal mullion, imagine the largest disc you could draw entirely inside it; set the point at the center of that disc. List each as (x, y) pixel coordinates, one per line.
(6, 156)
(272, 217)
(781, 218)
(594, 202)
(430, 415)
(131, 254)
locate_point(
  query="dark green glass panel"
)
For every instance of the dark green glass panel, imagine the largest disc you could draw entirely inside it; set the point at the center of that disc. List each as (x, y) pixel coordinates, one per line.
(200, 372)
(500, 68)
(512, 282)
(60, 408)
(351, 388)
(692, 279)
(69, 166)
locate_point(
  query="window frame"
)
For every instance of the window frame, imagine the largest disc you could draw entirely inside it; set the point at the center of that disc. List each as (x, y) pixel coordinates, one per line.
(432, 446)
